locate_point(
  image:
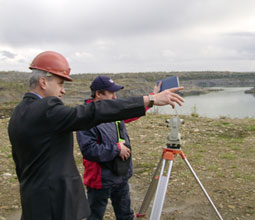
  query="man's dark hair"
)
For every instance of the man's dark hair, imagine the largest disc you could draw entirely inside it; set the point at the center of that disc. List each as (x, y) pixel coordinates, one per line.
(93, 92)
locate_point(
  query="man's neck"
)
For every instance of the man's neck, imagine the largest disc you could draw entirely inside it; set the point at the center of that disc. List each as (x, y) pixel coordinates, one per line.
(37, 92)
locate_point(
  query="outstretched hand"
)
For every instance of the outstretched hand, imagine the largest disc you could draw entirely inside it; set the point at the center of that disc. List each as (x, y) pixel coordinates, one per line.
(166, 97)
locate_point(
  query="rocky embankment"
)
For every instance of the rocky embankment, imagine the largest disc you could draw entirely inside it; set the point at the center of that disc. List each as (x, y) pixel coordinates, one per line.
(250, 91)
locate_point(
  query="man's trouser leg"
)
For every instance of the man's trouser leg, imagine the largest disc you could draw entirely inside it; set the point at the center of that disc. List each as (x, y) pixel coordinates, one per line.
(121, 202)
(98, 199)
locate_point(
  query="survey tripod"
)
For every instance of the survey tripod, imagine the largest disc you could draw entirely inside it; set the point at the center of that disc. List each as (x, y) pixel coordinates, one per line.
(159, 184)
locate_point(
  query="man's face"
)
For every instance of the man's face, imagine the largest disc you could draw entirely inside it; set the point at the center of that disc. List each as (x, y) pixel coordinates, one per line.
(54, 86)
(106, 95)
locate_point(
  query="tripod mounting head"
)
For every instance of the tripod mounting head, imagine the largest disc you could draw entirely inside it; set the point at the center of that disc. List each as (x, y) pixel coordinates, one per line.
(174, 137)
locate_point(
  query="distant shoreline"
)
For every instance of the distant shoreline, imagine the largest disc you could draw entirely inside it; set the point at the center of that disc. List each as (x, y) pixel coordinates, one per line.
(14, 84)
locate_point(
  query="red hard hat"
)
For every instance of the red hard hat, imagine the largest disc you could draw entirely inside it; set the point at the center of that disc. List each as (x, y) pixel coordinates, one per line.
(52, 62)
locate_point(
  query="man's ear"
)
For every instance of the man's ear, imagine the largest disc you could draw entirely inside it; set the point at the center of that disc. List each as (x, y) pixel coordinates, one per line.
(98, 94)
(42, 83)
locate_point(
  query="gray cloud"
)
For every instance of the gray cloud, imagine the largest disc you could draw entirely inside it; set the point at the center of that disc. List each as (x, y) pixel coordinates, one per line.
(117, 36)
(8, 54)
(243, 43)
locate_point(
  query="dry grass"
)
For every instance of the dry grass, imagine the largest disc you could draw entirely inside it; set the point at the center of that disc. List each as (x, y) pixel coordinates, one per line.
(221, 151)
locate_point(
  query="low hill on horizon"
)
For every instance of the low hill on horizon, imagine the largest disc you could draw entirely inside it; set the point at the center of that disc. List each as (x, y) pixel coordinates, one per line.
(14, 84)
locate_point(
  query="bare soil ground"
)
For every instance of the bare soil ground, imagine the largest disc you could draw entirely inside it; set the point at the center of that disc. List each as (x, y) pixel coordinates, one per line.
(221, 151)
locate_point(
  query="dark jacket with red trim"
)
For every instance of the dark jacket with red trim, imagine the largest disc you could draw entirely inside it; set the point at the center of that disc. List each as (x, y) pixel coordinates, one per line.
(98, 145)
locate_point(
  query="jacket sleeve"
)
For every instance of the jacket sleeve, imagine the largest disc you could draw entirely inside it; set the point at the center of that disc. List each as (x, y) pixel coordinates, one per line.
(92, 149)
(136, 118)
(66, 119)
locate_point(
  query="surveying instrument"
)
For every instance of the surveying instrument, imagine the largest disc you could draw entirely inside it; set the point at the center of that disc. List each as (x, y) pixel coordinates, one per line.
(159, 184)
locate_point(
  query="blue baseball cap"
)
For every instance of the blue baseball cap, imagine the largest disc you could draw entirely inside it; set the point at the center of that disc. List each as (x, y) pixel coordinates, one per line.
(104, 82)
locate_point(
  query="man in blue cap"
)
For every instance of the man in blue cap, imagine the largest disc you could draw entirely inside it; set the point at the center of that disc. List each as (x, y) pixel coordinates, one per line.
(107, 158)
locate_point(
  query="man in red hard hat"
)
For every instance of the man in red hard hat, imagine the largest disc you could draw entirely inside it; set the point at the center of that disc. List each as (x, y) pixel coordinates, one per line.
(40, 132)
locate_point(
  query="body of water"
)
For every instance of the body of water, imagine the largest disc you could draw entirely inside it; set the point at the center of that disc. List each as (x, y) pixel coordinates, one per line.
(231, 102)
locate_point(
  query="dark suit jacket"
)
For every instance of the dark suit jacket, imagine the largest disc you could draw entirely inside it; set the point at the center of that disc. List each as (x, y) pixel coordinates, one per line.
(40, 132)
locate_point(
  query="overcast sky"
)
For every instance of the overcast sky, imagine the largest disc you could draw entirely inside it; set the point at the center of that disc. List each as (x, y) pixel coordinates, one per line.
(114, 36)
